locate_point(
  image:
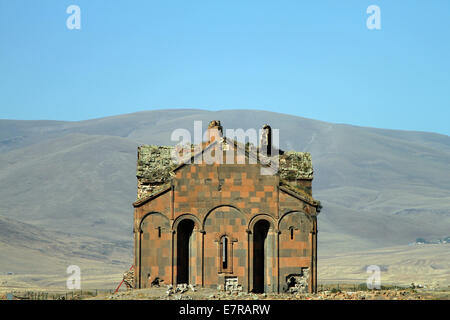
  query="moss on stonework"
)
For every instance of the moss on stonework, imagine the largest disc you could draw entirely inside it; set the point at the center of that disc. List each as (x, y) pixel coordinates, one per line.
(296, 165)
(304, 189)
(146, 191)
(155, 164)
(297, 189)
(155, 168)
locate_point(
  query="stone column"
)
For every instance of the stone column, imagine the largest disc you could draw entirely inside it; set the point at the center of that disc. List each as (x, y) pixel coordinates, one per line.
(138, 265)
(173, 257)
(315, 255)
(203, 257)
(277, 259)
(249, 260)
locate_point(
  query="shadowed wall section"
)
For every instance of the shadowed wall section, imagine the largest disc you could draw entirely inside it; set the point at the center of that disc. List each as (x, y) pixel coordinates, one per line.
(261, 255)
(185, 246)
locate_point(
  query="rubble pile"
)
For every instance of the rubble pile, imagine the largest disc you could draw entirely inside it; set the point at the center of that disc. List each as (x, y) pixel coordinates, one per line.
(128, 279)
(180, 289)
(298, 283)
(231, 290)
(232, 286)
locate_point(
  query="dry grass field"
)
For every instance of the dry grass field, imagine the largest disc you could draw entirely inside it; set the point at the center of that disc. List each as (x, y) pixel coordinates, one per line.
(424, 265)
(66, 190)
(401, 265)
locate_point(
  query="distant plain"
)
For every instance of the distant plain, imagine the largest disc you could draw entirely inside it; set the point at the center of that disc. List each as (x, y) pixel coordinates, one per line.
(66, 190)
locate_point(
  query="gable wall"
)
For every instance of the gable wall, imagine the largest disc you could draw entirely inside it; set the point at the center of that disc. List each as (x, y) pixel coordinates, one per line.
(204, 190)
(199, 188)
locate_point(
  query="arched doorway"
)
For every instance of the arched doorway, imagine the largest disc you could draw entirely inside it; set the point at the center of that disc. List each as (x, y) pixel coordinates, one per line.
(184, 247)
(260, 232)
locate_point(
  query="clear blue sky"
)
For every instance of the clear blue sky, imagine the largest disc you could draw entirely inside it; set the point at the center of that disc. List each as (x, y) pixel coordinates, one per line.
(315, 59)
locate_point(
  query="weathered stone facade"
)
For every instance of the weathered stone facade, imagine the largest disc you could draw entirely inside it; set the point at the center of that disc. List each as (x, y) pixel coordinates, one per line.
(226, 224)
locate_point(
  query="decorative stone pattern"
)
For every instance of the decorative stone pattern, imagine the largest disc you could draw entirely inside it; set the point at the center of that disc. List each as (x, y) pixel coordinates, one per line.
(184, 213)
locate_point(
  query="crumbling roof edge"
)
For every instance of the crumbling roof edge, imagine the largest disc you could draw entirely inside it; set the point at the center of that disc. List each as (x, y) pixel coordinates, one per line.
(150, 197)
(310, 201)
(194, 155)
(236, 144)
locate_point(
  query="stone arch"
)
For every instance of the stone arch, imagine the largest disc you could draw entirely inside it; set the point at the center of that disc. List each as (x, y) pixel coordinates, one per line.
(197, 222)
(154, 237)
(218, 207)
(147, 215)
(262, 253)
(187, 246)
(298, 219)
(218, 236)
(295, 240)
(262, 216)
(225, 220)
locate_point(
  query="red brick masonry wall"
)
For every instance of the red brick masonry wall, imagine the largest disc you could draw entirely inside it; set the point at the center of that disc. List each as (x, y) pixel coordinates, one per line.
(225, 201)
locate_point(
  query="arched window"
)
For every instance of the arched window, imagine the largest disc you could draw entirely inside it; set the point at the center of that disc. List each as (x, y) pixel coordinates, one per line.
(226, 255)
(292, 232)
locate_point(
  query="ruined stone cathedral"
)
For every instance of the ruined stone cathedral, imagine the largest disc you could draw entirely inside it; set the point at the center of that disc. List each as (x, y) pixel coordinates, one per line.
(240, 221)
